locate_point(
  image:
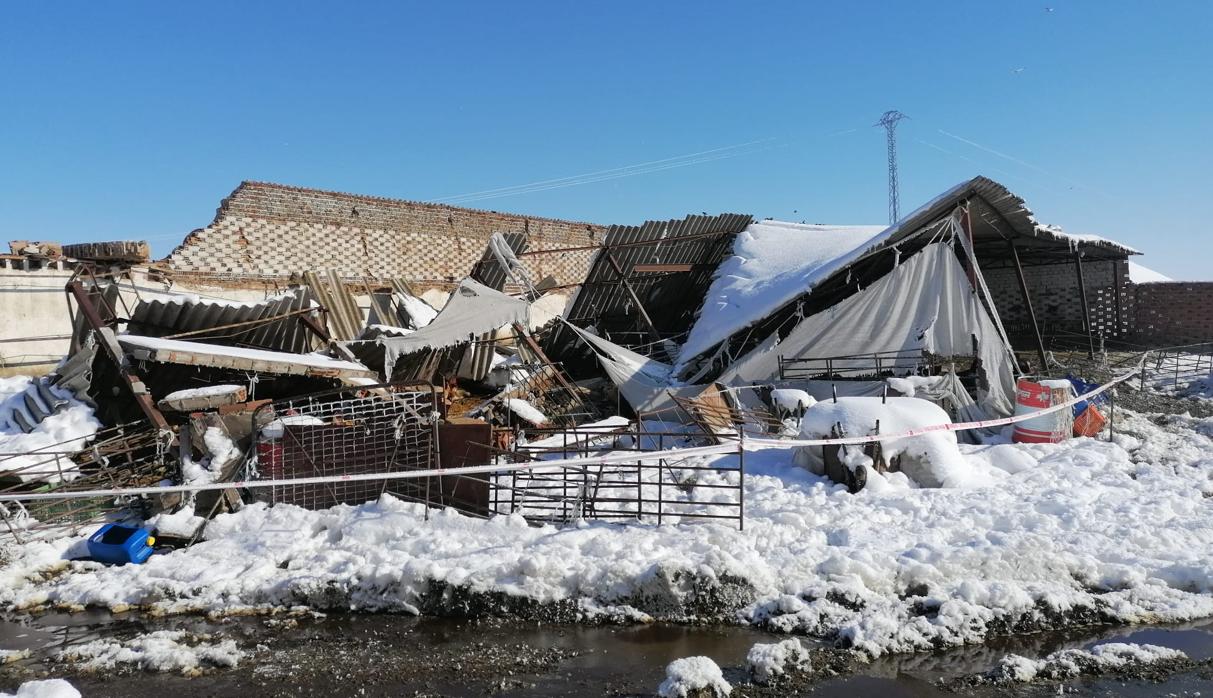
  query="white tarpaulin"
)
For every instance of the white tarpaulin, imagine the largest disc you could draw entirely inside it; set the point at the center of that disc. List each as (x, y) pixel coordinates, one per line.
(643, 382)
(926, 304)
(473, 310)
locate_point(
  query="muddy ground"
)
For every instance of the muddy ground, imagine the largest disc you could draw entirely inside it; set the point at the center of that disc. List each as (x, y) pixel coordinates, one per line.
(386, 655)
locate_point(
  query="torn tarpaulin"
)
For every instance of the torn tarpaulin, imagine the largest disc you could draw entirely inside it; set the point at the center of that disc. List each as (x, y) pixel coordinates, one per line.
(473, 310)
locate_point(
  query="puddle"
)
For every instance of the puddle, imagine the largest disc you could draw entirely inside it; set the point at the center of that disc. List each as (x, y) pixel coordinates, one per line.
(395, 655)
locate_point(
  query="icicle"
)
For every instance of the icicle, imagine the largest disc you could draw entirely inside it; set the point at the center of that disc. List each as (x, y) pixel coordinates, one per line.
(834, 389)
(896, 256)
(848, 276)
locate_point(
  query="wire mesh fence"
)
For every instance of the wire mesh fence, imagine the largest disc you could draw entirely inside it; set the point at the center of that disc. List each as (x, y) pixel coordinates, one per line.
(384, 428)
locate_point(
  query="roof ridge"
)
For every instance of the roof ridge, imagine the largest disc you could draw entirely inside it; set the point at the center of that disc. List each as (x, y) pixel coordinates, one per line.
(257, 184)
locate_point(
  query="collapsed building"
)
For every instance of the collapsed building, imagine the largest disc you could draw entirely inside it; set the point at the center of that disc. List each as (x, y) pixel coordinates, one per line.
(348, 340)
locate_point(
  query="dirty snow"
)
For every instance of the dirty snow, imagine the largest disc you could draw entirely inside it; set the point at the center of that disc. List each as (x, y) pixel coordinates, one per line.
(1058, 539)
(44, 688)
(693, 676)
(769, 662)
(1066, 664)
(163, 650)
(204, 391)
(42, 450)
(772, 263)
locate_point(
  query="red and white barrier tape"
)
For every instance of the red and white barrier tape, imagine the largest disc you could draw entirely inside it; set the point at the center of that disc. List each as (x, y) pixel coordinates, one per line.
(745, 443)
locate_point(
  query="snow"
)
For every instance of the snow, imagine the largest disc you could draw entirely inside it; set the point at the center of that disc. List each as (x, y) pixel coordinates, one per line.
(182, 524)
(693, 676)
(277, 428)
(1141, 274)
(792, 400)
(163, 650)
(204, 391)
(10, 656)
(768, 662)
(527, 411)
(1057, 539)
(313, 360)
(582, 433)
(773, 262)
(42, 451)
(45, 688)
(930, 460)
(1066, 664)
(420, 312)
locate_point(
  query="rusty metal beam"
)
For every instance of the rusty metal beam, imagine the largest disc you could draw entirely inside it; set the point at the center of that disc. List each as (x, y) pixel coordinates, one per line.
(109, 344)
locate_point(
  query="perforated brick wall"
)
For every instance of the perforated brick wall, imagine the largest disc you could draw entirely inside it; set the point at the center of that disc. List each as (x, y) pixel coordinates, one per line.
(1174, 312)
(1056, 300)
(269, 230)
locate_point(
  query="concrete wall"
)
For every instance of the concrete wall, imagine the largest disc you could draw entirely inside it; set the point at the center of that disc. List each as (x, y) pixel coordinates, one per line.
(33, 304)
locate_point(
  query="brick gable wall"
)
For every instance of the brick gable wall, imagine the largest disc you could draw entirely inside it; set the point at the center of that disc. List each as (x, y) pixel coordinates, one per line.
(269, 230)
(1174, 312)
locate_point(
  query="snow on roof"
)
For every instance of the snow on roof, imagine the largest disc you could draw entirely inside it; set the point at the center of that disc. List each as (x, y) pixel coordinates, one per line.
(773, 262)
(1056, 232)
(1139, 274)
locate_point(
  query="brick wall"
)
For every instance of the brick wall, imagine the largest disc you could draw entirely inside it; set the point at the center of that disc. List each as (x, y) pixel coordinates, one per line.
(1174, 312)
(1056, 300)
(271, 230)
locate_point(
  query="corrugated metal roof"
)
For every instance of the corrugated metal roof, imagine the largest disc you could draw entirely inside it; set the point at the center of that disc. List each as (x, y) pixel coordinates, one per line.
(668, 264)
(162, 317)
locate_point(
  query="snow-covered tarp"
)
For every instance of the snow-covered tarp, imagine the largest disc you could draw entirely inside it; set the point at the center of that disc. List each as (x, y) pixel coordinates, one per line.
(926, 304)
(773, 262)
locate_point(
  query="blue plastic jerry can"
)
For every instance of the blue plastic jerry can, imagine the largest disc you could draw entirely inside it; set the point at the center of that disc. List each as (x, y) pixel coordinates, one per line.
(118, 545)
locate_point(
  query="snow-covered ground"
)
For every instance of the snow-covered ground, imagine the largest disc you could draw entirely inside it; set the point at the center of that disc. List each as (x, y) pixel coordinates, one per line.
(1076, 532)
(1067, 664)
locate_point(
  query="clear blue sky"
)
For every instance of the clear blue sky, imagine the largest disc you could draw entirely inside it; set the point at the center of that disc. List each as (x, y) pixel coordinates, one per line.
(132, 120)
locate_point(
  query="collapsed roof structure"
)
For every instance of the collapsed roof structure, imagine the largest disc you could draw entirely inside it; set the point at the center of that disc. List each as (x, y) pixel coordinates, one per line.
(804, 301)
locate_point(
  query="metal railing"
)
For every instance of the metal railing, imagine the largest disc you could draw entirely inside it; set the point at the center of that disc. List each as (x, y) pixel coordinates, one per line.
(654, 489)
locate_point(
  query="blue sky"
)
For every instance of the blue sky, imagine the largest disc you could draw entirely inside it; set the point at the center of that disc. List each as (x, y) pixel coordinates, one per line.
(132, 120)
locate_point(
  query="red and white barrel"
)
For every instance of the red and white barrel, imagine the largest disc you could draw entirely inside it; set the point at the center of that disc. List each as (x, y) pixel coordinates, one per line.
(1033, 396)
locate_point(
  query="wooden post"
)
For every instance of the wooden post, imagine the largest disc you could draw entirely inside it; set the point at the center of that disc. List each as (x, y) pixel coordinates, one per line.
(1027, 301)
(1086, 310)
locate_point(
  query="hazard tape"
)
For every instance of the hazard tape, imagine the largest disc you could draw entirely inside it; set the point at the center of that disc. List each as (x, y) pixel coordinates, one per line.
(743, 443)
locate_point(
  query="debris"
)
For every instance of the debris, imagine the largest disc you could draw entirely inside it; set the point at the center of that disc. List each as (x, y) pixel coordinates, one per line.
(119, 545)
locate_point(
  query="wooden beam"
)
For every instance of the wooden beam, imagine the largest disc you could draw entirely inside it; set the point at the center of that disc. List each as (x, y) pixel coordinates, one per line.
(1027, 301)
(1086, 309)
(644, 316)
